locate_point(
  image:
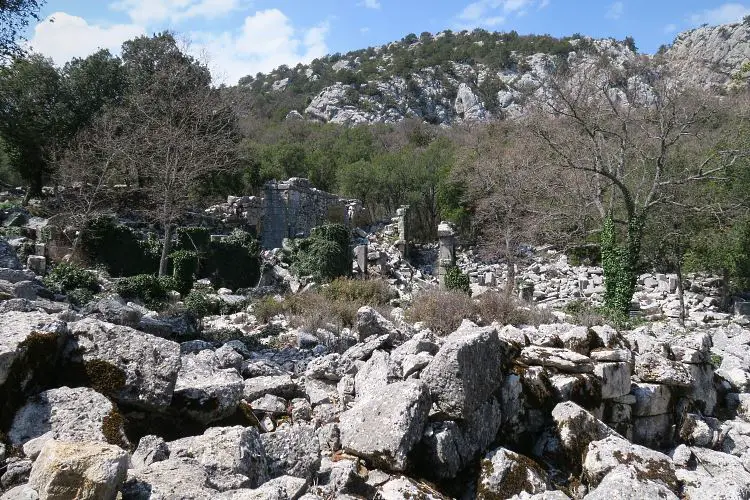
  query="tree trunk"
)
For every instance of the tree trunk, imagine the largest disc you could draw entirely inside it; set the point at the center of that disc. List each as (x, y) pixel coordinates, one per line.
(165, 250)
(620, 264)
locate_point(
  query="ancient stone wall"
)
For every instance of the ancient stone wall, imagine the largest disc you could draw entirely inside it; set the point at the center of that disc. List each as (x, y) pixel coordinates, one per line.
(289, 209)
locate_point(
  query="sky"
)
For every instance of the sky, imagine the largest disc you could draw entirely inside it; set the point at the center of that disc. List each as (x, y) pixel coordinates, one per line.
(244, 37)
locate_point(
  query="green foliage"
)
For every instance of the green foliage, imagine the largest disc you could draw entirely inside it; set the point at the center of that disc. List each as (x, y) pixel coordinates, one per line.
(15, 17)
(584, 255)
(65, 278)
(723, 251)
(195, 239)
(116, 247)
(455, 280)
(199, 304)
(234, 262)
(149, 289)
(184, 269)
(620, 265)
(267, 308)
(325, 255)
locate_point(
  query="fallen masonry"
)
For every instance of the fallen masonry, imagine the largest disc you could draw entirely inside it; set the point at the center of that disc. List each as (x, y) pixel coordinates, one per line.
(97, 410)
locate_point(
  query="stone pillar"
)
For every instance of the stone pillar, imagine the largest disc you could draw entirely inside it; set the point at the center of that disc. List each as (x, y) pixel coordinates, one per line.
(360, 253)
(446, 250)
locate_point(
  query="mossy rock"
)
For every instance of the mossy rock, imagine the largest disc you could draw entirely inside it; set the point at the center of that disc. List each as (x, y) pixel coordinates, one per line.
(104, 377)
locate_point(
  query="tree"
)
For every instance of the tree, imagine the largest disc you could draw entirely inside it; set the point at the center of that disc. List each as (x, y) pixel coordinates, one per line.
(15, 16)
(621, 127)
(177, 131)
(32, 117)
(513, 200)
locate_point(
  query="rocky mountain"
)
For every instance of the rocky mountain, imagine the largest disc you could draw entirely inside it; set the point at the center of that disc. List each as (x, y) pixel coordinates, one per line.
(448, 78)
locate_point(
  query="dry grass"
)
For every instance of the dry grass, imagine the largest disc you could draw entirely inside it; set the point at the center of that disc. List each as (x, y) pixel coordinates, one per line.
(443, 311)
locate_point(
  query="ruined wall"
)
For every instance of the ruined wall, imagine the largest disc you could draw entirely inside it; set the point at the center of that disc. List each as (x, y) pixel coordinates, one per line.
(289, 209)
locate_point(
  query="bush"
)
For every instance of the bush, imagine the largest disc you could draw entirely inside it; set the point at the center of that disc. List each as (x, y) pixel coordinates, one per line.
(509, 310)
(118, 249)
(325, 255)
(149, 289)
(458, 281)
(66, 278)
(184, 270)
(442, 310)
(267, 308)
(80, 296)
(234, 262)
(199, 304)
(362, 292)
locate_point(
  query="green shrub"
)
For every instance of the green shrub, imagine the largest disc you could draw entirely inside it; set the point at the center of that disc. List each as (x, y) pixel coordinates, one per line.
(325, 255)
(267, 308)
(458, 281)
(150, 289)
(362, 292)
(199, 304)
(184, 270)
(65, 277)
(80, 296)
(118, 249)
(584, 255)
(234, 262)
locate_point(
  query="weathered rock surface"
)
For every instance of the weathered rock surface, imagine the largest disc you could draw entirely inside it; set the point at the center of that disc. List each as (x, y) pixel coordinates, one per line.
(79, 470)
(562, 359)
(465, 371)
(505, 473)
(292, 451)
(232, 457)
(386, 427)
(204, 391)
(65, 414)
(135, 368)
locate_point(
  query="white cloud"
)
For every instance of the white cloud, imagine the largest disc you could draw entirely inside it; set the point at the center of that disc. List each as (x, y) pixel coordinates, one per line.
(615, 11)
(670, 28)
(266, 40)
(151, 11)
(723, 14)
(364, 30)
(494, 12)
(370, 4)
(70, 36)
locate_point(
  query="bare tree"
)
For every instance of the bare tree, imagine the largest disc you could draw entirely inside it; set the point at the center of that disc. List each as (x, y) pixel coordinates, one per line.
(514, 200)
(621, 126)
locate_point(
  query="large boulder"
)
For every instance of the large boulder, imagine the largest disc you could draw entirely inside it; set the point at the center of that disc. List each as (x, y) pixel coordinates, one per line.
(370, 322)
(65, 414)
(385, 427)
(504, 473)
(577, 428)
(233, 457)
(448, 447)
(278, 385)
(169, 479)
(293, 451)
(558, 358)
(625, 483)
(605, 455)
(30, 348)
(466, 370)
(132, 367)
(658, 369)
(205, 392)
(710, 474)
(79, 470)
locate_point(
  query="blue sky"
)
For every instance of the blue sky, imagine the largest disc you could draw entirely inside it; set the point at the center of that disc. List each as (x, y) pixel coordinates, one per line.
(240, 37)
